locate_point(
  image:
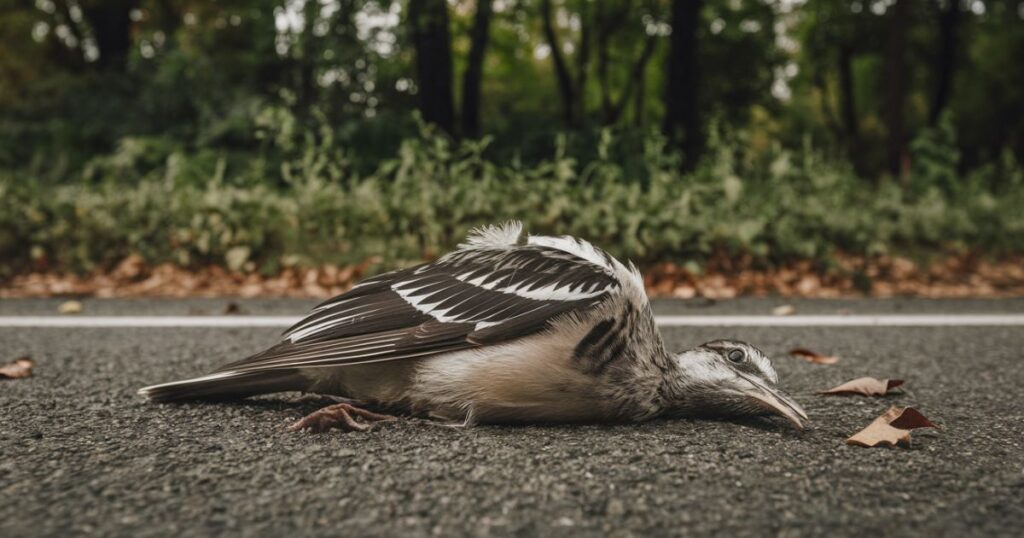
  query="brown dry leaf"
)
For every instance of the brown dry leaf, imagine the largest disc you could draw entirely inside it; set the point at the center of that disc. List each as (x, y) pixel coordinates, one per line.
(784, 310)
(69, 307)
(891, 429)
(19, 368)
(232, 308)
(813, 356)
(868, 386)
(130, 268)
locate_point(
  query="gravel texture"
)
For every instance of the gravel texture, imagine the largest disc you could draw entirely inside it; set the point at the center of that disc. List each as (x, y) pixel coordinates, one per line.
(82, 454)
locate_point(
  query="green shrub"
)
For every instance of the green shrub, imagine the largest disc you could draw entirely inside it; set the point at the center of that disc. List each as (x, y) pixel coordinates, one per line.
(300, 201)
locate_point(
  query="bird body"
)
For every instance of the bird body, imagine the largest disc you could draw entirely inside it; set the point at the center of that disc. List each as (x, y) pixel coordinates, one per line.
(504, 329)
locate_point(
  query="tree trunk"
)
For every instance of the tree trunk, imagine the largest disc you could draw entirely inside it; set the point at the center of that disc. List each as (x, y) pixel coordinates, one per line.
(170, 19)
(565, 85)
(636, 76)
(583, 60)
(640, 101)
(111, 25)
(428, 25)
(848, 104)
(307, 59)
(606, 26)
(471, 79)
(949, 25)
(682, 120)
(896, 87)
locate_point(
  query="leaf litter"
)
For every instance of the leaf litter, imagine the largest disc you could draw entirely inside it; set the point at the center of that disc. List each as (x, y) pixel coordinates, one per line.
(867, 386)
(892, 428)
(19, 368)
(70, 307)
(813, 356)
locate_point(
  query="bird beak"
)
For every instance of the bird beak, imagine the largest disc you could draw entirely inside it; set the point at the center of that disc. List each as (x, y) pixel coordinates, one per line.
(774, 401)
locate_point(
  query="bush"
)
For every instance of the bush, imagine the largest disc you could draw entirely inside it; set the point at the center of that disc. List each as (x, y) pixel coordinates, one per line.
(304, 203)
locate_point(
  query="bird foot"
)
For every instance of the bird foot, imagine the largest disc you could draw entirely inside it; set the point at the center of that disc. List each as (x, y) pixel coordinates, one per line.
(341, 416)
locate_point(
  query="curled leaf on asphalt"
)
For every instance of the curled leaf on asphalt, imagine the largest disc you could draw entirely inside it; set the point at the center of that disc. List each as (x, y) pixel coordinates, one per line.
(232, 308)
(69, 307)
(21, 367)
(784, 310)
(891, 429)
(868, 386)
(813, 356)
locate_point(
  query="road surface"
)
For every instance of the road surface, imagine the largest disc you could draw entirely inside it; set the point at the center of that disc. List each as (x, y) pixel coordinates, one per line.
(82, 454)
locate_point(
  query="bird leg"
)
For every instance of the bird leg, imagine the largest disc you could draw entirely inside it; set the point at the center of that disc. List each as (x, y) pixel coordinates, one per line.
(321, 398)
(446, 421)
(342, 416)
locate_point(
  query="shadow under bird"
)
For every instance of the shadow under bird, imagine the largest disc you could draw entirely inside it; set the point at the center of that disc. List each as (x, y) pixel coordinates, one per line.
(508, 328)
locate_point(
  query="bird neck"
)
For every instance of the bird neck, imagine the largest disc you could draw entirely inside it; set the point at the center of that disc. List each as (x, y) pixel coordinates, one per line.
(688, 387)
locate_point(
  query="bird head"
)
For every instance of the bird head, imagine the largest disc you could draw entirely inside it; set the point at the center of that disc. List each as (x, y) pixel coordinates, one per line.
(729, 378)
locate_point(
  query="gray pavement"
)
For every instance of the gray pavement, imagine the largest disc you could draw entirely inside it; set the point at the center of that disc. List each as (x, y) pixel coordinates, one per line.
(82, 455)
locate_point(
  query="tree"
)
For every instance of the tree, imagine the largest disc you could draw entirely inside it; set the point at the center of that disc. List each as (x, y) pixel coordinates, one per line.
(569, 91)
(473, 75)
(431, 38)
(847, 101)
(945, 61)
(682, 121)
(896, 87)
(610, 20)
(111, 25)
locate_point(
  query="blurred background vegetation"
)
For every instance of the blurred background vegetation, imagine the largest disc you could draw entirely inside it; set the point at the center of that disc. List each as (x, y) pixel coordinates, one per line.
(257, 134)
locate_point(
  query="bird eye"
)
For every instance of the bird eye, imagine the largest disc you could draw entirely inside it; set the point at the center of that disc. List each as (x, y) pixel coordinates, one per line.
(737, 355)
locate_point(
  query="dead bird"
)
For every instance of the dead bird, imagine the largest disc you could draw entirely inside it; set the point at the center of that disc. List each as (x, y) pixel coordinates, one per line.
(506, 329)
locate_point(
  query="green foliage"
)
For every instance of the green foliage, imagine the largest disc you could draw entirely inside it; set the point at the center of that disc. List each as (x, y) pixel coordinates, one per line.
(198, 208)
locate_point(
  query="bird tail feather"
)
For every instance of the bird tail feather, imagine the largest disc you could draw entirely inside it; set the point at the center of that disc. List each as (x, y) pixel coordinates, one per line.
(227, 385)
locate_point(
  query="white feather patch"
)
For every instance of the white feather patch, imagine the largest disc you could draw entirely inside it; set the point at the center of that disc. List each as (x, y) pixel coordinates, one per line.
(494, 235)
(576, 247)
(587, 251)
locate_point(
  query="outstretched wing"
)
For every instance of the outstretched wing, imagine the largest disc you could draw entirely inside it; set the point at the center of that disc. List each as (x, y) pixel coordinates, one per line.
(469, 298)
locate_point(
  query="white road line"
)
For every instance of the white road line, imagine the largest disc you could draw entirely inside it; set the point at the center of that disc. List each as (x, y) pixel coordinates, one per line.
(854, 320)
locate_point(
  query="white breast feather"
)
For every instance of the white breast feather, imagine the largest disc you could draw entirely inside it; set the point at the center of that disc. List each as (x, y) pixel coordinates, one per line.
(527, 380)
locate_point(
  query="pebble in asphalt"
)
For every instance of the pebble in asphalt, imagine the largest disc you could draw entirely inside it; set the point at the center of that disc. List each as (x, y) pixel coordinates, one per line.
(82, 454)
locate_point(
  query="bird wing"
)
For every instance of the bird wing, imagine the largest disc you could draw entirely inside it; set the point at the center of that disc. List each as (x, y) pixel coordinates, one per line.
(469, 298)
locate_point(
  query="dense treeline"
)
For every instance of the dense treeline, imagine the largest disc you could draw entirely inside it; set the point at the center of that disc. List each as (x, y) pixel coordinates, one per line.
(861, 78)
(263, 133)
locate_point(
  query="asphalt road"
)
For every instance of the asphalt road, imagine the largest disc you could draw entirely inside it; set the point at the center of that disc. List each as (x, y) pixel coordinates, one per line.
(81, 454)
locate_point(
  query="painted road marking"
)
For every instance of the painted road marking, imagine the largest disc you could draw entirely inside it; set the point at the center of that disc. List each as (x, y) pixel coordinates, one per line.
(853, 320)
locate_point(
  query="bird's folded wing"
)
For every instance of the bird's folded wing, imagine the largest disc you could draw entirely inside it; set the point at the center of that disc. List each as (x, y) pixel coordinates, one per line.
(464, 300)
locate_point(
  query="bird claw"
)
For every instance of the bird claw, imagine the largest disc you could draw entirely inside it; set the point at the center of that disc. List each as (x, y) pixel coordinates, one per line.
(341, 416)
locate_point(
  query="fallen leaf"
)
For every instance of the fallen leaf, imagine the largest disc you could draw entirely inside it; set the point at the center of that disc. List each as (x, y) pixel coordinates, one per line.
(784, 310)
(19, 368)
(891, 429)
(131, 268)
(69, 307)
(232, 308)
(868, 386)
(911, 419)
(813, 356)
